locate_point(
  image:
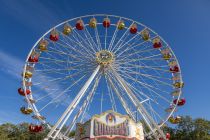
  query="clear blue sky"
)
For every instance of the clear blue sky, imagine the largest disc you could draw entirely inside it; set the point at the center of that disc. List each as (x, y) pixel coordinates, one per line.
(184, 24)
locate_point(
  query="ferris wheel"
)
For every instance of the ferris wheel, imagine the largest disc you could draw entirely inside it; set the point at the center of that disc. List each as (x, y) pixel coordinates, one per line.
(90, 64)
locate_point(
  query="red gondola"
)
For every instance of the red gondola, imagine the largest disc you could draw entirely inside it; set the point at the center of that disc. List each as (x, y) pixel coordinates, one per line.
(168, 135)
(174, 69)
(133, 29)
(80, 25)
(33, 59)
(181, 102)
(106, 22)
(54, 35)
(157, 43)
(35, 128)
(21, 91)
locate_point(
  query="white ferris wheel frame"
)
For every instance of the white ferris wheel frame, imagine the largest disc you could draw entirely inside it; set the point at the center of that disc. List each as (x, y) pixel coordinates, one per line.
(53, 134)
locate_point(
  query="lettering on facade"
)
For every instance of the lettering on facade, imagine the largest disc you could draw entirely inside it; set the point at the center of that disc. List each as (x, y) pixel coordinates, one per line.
(121, 129)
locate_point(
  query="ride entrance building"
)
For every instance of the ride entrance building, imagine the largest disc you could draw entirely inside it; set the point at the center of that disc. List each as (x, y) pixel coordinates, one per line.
(109, 125)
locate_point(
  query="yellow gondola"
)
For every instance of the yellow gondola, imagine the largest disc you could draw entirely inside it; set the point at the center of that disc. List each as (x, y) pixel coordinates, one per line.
(67, 29)
(145, 35)
(43, 45)
(26, 111)
(121, 25)
(178, 84)
(28, 74)
(93, 23)
(175, 120)
(166, 56)
(171, 120)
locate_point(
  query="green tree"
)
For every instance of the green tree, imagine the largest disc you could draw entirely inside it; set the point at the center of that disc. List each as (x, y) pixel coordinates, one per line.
(201, 129)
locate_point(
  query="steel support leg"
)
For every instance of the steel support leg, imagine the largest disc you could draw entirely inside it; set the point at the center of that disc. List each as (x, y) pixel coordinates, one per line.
(63, 119)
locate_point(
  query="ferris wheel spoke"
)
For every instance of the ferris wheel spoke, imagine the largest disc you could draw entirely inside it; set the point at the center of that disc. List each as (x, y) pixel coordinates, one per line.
(124, 55)
(122, 45)
(60, 49)
(67, 40)
(65, 47)
(61, 94)
(137, 45)
(143, 58)
(77, 57)
(125, 33)
(149, 87)
(150, 107)
(53, 57)
(61, 71)
(147, 97)
(91, 38)
(62, 78)
(146, 75)
(45, 67)
(62, 43)
(52, 60)
(155, 113)
(127, 55)
(90, 41)
(59, 79)
(140, 92)
(66, 43)
(105, 38)
(47, 95)
(50, 95)
(145, 84)
(114, 108)
(123, 102)
(113, 37)
(143, 69)
(162, 82)
(143, 64)
(75, 67)
(142, 72)
(88, 44)
(98, 38)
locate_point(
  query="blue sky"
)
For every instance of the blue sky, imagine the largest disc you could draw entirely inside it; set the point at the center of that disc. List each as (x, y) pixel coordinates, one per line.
(184, 24)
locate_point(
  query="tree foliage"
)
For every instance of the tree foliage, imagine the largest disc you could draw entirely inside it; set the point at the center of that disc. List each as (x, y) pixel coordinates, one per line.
(187, 129)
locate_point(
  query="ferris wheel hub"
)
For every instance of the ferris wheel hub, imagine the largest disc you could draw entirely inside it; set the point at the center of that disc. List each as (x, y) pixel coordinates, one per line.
(104, 57)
